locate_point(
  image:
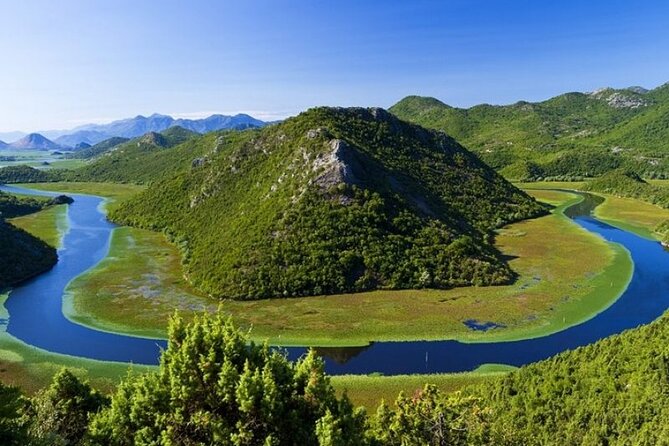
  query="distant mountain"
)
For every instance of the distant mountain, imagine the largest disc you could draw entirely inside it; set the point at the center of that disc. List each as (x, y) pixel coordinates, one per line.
(140, 125)
(98, 149)
(3, 144)
(34, 141)
(11, 136)
(571, 135)
(219, 122)
(89, 137)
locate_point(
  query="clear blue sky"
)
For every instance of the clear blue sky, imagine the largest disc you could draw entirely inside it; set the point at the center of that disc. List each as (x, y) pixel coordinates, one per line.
(67, 62)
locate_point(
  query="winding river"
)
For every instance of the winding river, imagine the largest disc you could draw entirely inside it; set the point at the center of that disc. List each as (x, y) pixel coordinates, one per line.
(36, 317)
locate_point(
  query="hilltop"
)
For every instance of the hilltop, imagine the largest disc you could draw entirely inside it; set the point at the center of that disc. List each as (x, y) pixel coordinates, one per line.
(334, 200)
(35, 141)
(571, 135)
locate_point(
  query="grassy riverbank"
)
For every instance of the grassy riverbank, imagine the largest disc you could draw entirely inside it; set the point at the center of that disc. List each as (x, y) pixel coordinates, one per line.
(369, 391)
(49, 225)
(629, 214)
(113, 192)
(32, 368)
(560, 283)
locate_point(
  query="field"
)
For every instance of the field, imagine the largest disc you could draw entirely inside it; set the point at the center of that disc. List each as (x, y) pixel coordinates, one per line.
(625, 213)
(32, 368)
(552, 292)
(139, 282)
(48, 225)
(41, 159)
(369, 391)
(113, 192)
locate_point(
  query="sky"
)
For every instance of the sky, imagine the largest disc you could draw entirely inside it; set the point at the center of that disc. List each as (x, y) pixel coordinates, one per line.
(69, 62)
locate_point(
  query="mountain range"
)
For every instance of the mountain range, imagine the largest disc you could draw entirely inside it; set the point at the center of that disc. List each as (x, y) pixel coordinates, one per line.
(571, 135)
(129, 128)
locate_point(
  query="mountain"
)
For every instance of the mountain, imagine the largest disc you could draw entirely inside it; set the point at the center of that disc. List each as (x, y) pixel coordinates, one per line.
(218, 122)
(149, 157)
(140, 125)
(574, 134)
(98, 149)
(334, 200)
(3, 144)
(34, 141)
(90, 137)
(11, 136)
(82, 146)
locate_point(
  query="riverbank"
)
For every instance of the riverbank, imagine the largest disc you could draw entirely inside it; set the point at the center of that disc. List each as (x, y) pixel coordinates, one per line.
(560, 284)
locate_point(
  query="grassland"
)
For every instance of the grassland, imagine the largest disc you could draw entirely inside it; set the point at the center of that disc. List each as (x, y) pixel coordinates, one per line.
(49, 224)
(113, 192)
(560, 283)
(369, 391)
(32, 368)
(135, 288)
(629, 214)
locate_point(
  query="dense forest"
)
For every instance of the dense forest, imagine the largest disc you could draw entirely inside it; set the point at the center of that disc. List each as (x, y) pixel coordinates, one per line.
(214, 387)
(21, 255)
(334, 200)
(570, 136)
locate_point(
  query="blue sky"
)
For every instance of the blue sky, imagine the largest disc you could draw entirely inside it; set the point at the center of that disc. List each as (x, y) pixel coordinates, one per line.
(69, 62)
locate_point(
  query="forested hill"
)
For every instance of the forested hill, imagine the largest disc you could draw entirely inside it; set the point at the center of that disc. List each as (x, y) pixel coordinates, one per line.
(334, 200)
(21, 255)
(575, 134)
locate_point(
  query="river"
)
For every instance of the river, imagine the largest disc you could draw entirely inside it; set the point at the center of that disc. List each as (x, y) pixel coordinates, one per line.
(36, 317)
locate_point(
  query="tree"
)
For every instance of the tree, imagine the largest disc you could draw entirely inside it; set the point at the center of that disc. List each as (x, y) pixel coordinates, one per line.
(213, 387)
(12, 430)
(60, 413)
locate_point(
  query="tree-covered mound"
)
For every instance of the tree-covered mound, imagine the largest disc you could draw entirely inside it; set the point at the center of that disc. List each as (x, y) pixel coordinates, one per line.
(22, 255)
(568, 136)
(334, 200)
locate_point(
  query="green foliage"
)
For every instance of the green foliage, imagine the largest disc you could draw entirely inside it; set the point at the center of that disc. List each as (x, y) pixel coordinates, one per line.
(12, 429)
(628, 184)
(572, 135)
(27, 174)
(429, 418)
(59, 414)
(334, 200)
(22, 256)
(98, 149)
(150, 157)
(215, 388)
(12, 206)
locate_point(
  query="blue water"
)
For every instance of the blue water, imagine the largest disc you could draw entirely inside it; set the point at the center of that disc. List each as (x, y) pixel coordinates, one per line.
(36, 315)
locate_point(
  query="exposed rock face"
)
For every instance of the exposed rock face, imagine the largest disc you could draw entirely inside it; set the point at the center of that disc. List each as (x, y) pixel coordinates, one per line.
(620, 99)
(198, 162)
(337, 166)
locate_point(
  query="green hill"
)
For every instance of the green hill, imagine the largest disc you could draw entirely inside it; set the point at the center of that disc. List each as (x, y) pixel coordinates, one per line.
(99, 148)
(334, 200)
(575, 134)
(22, 256)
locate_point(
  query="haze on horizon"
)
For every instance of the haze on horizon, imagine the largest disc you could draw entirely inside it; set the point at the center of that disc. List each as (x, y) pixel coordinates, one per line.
(72, 62)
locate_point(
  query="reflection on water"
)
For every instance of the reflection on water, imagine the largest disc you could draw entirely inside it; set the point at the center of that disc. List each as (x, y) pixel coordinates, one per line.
(340, 355)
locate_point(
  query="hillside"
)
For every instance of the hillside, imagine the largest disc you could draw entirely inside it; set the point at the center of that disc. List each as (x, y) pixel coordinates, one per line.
(334, 200)
(142, 160)
(21, 255)
(98, 149)
(575, 134)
